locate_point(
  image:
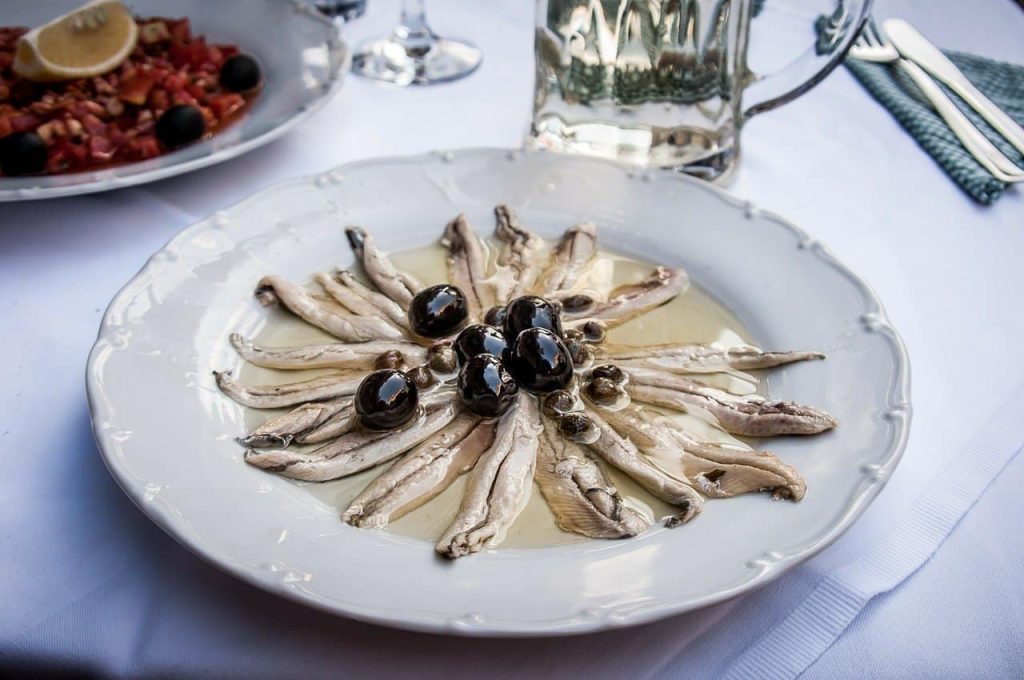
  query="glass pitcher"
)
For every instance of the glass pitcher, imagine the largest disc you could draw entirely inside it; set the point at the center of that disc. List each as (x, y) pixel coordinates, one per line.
(665, 82)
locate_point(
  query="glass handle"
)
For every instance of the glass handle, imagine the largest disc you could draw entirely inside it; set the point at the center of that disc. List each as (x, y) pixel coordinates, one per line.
(836, 34)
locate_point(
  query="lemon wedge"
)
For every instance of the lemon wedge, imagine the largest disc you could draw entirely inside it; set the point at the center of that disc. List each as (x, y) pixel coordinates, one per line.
(89, 41)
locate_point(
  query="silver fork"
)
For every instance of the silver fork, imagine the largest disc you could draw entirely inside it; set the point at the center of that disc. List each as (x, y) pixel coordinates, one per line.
(872, 45)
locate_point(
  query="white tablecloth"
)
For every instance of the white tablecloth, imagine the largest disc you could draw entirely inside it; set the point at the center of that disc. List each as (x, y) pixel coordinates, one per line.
(927, 584)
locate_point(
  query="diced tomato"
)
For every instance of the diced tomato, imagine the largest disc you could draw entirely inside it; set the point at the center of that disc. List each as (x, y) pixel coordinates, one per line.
(23, 122)
(100, 149)
(93, 125)
(192, 53)
(70, 153)
(175, 82)
(5, 126)
(215, 56)
(181, 30)
(224, 105)
(196, 91)
(135, 88)
(145, 147)
(183, 97)
(159, 100)
(180, 54)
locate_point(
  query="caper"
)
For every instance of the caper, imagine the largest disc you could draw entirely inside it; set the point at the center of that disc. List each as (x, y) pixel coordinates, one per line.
(389, 359)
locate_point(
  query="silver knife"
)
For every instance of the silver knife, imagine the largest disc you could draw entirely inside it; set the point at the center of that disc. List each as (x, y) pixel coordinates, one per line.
(914, 46)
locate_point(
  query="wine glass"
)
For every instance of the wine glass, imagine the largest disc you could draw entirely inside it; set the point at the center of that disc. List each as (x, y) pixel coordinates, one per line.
(414, 55)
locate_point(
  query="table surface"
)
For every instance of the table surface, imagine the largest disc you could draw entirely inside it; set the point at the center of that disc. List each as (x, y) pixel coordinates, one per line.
(87, 583)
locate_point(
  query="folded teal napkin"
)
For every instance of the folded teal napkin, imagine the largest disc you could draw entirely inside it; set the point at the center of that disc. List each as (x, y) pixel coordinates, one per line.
(1001, 82)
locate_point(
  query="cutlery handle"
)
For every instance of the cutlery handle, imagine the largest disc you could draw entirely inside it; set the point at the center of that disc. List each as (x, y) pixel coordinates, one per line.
(914, 46)
(976, 143)
(995, 116)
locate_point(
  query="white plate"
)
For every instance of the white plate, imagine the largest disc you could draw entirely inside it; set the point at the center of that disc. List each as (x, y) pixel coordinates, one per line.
(165, 431)
(304, 61)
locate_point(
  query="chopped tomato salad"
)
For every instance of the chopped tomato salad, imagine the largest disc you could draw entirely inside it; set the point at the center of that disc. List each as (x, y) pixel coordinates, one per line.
(111, 119)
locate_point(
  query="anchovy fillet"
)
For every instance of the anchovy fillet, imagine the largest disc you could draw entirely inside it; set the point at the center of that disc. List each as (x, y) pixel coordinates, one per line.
(385, 305)
(632, 300)
(422, 473)
(333, 427)
(345, 297)
(290, 394)
(573, 255)
(396, 284)
(702, 358)
(303, 305)
(624, 455)
(279, 432)
(717, 470)
(577, 492)
(499, 485)
(467, 265)
(353, 452)
(333, 355)
(749, 415)
(519, 261)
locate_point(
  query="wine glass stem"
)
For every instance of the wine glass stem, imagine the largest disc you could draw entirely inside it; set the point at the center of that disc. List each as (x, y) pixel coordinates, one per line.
(412, 31)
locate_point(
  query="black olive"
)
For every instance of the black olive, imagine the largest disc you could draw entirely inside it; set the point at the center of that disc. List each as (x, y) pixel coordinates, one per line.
(495, 316)
(611, 372)
(480, 339)
(389, 359)
(386, 399)
(22, 153)
(438, 311)
(441, 357)
(559, 402)
(180, 125)
(540, 361)
(240, 73)
(531, 312)
(486, 388)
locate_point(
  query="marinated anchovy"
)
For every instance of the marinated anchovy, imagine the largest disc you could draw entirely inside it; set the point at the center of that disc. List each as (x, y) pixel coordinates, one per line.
(356, 304)
(385, 305)
(353, 452)
(632, 300)
(333, 427)
(279, 432)
(577, 492)
(519, 261)
(573, 255)
(499, 485)
(422, 473)
(303, 305)
(290, 394)
(624, 455)
(750, 415)
(717, 470)
(333, 355)
(703, 358)
(398, 285)
(467, 265)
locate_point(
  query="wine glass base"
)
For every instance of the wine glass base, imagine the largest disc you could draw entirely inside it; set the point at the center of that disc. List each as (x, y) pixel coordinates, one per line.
(391, 61)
